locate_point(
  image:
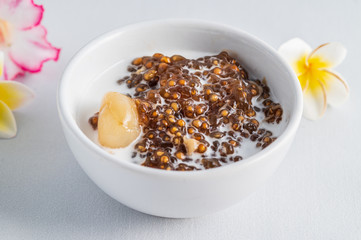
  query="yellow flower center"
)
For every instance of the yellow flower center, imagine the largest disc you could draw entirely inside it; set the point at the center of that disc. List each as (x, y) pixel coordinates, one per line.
(5, 33)
(315, 62)
(312, 74)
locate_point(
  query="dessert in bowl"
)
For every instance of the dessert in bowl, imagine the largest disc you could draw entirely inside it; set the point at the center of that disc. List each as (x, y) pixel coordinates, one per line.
(188, 114)
(219, 176)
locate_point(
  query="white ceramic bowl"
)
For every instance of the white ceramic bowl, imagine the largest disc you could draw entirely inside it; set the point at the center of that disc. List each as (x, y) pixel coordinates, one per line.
(169, 193)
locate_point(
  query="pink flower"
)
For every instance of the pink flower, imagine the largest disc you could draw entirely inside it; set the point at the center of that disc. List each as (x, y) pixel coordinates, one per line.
(23, 39)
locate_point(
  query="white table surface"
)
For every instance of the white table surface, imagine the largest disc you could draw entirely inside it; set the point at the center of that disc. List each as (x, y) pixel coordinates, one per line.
(315, 193)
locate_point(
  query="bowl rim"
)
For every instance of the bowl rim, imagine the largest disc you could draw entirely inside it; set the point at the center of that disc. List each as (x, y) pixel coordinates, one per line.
(70, 122)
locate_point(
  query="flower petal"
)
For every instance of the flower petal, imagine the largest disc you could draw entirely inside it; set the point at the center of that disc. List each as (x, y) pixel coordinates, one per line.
(314, 101)
(295, 52)
(327, 55)
(22, 14)
(1, 63)
(304, 81)
(30, 49)
(11, 70)
(14, 94)
(336, 88)
(7, 122)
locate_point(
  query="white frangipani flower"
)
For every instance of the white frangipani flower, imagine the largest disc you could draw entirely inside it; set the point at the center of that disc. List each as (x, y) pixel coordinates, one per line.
(320, 84)
(12, 96)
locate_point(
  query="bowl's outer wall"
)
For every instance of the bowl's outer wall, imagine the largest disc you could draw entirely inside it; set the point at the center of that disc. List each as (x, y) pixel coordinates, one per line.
(182, 197)
(164, 194)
